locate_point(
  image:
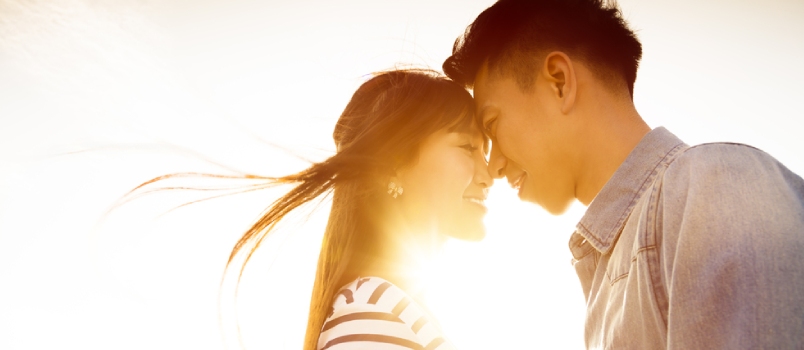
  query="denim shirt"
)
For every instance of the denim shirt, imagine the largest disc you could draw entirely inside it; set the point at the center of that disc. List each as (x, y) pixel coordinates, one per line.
(694, 248)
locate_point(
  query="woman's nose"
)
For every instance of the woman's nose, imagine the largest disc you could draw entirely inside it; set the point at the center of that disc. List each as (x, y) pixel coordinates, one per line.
(482, 176)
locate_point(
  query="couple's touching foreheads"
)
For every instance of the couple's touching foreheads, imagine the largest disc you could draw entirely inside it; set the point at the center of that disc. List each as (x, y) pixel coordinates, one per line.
(681, 246)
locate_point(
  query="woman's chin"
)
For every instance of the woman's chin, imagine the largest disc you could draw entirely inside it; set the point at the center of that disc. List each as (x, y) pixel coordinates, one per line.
(473, 235)
(468, 229)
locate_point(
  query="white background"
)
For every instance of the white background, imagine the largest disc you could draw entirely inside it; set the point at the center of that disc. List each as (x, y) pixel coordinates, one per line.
(99, 96)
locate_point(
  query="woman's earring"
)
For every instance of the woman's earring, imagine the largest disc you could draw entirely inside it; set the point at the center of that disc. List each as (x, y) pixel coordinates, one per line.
(394, 190)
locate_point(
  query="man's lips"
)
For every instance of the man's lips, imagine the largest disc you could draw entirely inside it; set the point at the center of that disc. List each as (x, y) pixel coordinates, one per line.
(517, 182)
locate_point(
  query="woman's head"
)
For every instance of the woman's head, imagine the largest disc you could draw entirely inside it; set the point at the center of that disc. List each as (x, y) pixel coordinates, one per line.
(413, 128)
(415, 131)
(410, 128)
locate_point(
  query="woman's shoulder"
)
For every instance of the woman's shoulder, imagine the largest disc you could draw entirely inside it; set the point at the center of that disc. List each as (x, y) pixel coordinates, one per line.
(370, 292)
(373, 313)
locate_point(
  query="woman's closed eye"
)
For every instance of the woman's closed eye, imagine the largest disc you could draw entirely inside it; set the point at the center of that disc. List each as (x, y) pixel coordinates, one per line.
(469, 147)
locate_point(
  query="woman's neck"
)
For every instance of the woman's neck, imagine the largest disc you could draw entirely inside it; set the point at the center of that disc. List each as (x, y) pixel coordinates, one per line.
(403, 259)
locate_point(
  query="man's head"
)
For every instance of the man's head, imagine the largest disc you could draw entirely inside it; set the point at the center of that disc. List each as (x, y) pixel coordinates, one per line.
(513, 36)
(539, 70)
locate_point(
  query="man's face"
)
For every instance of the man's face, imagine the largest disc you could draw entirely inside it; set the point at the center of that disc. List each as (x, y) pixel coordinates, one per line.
(531, 139)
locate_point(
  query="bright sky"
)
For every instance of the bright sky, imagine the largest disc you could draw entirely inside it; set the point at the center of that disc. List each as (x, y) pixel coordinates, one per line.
(96, 97)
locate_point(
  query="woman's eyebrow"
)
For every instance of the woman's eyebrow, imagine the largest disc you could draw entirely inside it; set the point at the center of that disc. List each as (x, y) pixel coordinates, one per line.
(461, 127)
(469, 133)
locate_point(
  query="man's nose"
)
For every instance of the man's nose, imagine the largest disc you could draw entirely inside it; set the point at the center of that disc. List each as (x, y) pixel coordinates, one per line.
(497, 163)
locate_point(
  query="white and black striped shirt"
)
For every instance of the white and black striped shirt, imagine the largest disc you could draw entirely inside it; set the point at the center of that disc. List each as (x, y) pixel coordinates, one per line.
(372, 313)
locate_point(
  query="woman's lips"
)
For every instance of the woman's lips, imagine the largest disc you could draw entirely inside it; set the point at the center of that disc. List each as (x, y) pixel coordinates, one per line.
(476, 200)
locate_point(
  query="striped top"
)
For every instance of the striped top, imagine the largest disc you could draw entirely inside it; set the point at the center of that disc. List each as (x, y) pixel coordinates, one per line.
(372, 313)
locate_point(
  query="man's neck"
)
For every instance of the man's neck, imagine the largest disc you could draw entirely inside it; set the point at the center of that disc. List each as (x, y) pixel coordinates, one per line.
(613, 132)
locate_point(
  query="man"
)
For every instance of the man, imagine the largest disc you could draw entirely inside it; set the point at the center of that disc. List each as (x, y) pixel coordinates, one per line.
(681, 247)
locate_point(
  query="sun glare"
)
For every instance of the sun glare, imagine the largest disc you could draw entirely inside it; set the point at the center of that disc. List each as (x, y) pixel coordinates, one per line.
(516, 287)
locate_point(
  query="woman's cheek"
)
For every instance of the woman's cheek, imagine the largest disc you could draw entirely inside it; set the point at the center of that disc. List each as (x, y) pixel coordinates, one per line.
(461, 172)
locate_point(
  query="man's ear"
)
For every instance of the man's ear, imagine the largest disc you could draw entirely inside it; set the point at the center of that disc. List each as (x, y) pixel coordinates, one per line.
(559, 72)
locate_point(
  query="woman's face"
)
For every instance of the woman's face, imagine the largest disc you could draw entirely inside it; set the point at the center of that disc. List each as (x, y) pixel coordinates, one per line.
(446, 187)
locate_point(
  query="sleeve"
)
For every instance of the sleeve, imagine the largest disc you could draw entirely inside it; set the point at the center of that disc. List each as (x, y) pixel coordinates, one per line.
(732, 250)
(362, 326)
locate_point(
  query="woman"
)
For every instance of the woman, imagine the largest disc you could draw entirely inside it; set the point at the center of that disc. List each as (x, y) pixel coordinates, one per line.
(409, 171)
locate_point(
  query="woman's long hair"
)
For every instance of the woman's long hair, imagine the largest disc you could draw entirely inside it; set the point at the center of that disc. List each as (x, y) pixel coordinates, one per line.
(380, 129)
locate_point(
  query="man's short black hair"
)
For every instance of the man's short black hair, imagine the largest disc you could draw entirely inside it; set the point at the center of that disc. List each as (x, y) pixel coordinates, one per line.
(514, 35)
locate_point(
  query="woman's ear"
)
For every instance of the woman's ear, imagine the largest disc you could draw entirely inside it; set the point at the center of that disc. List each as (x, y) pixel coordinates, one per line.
(559, 72)
(394, 187)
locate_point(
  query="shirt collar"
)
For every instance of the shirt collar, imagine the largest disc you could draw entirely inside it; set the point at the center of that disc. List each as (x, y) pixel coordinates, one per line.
(606, 215)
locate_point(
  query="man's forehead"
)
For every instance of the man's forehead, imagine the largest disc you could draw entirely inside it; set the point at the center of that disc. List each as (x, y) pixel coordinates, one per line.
(482, 90)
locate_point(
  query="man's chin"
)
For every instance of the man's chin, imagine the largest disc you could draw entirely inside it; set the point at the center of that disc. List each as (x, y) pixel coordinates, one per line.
(554, 206)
